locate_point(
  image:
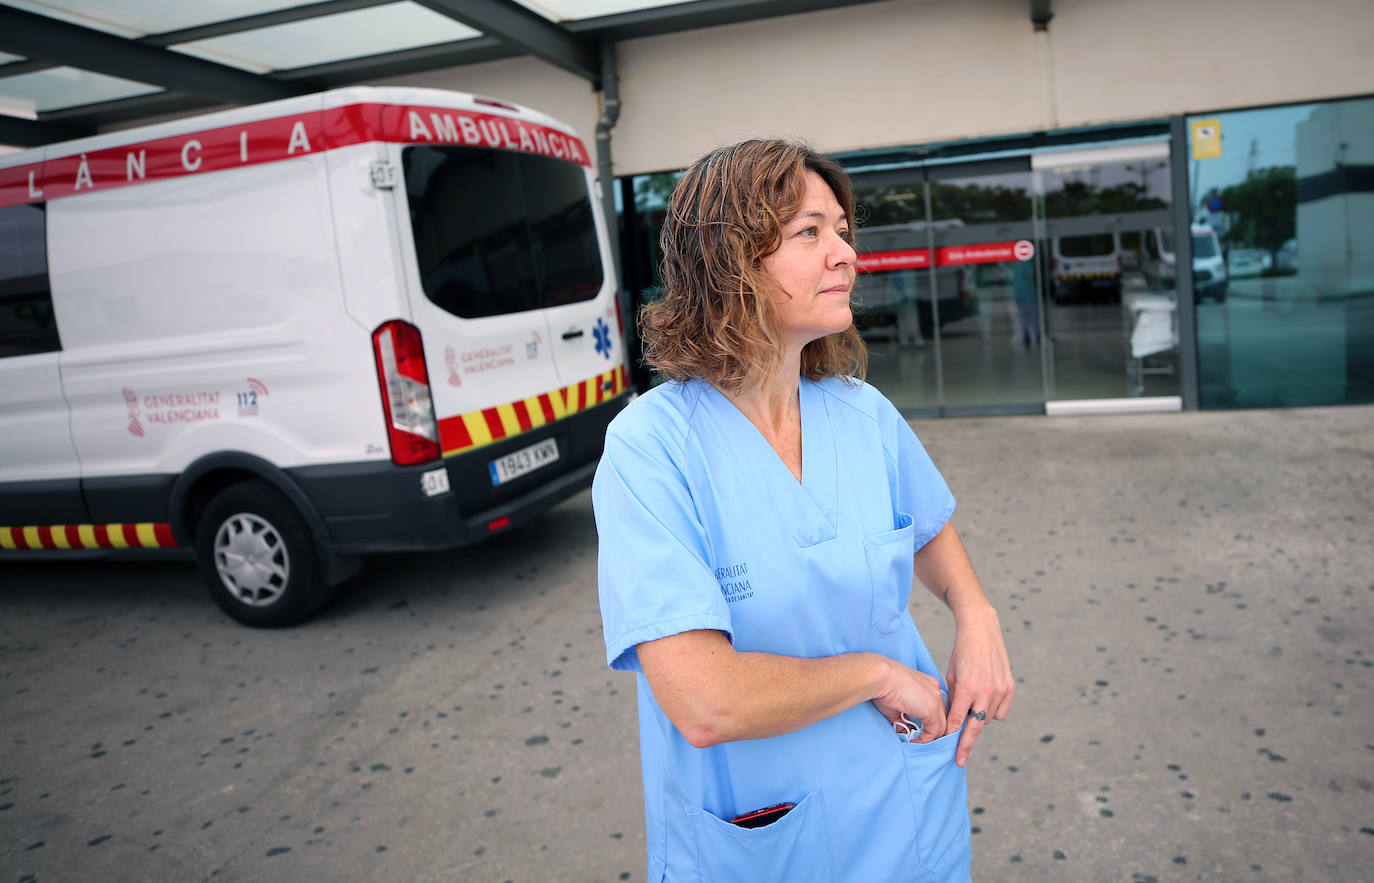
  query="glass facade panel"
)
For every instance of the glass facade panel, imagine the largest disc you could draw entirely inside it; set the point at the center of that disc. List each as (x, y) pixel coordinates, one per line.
(644, 203)
(565, 10)
(60, 87)
(139, 17)
(1289, 206)
(331, 38)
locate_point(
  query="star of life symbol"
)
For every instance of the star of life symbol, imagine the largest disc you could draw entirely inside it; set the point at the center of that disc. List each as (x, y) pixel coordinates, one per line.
(602, 333)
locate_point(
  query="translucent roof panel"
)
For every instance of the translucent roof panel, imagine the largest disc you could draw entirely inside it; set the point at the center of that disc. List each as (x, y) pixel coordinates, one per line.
(135, 18)
(61, 87)
(354, 34)
(571, 10)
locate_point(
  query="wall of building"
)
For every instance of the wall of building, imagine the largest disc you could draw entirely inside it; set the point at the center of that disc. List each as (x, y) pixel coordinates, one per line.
(913, 71)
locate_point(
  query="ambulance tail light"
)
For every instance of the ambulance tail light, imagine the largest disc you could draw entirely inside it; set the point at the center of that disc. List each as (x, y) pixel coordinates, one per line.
(619, 318)
(404, 382)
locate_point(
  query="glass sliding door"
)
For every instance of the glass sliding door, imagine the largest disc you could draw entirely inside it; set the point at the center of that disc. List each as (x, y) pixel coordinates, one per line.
(990, 334)
(1040, 281)
(896, 314)
(948, 286)
(1105, 237)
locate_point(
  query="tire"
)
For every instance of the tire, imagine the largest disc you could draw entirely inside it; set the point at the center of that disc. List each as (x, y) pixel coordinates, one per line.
(257, 558)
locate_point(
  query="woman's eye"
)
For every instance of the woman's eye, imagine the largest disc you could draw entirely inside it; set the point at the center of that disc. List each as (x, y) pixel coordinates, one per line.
(809, 231)
(847, 236)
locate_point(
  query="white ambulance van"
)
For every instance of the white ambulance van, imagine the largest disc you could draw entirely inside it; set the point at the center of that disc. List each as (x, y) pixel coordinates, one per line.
(286, 335)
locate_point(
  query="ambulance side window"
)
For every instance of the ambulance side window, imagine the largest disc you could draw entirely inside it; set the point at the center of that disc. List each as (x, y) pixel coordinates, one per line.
(498, 231)
(27, 323)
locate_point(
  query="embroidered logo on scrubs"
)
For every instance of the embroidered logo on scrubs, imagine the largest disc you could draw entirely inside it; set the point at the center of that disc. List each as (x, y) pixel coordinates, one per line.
(734, 582)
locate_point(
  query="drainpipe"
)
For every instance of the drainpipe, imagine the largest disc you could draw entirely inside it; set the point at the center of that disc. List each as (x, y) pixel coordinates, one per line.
(610, 112)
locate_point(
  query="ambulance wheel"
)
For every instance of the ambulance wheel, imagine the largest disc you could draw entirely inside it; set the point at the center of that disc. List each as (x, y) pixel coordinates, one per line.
(256, 556)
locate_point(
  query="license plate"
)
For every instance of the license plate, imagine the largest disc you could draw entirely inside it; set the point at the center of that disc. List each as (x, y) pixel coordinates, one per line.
(518, 463)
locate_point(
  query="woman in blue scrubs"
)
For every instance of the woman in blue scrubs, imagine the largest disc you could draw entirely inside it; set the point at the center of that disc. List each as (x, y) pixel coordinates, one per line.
(761, 517)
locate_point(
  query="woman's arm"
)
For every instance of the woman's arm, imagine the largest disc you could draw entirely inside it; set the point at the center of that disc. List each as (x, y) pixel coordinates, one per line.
(979, 674)
(714, 694)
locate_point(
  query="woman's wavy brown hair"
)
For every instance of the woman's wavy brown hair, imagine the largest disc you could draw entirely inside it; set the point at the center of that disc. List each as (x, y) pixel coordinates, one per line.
(717, 319)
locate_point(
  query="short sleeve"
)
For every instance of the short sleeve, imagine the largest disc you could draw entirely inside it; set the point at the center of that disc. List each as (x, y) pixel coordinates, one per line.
(653, 575)
(919, 488)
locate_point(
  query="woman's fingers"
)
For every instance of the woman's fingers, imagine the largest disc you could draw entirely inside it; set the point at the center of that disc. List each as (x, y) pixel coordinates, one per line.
(977, 707)
(917, 695)
(972, 731)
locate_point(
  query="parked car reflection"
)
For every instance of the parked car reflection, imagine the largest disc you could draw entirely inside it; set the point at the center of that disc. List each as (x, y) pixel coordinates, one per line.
(1244, 262)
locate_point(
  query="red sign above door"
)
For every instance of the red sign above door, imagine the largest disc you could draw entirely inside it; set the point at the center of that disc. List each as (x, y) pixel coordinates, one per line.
(883, 261)
(947, 256)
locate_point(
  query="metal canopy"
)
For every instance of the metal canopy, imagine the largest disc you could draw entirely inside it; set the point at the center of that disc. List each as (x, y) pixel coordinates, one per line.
(518, 27)
(79, 65)
(58, 43)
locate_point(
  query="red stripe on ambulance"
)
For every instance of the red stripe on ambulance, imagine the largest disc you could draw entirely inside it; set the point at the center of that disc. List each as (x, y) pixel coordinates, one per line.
(494, 425)
(281, 138)
(522, 415)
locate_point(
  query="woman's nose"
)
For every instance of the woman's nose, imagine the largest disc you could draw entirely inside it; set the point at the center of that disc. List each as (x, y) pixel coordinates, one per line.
(842, 252)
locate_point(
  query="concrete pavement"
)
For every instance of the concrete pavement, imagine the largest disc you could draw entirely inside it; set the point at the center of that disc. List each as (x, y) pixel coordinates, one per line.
(1188, 599)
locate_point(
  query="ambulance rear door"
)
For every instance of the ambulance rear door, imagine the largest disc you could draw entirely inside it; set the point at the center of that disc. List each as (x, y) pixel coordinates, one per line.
(475, 295)
(580, 293)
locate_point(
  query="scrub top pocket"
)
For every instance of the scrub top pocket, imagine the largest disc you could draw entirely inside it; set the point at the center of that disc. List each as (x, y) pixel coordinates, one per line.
(795, 847)
(939, 796)
(891, 559)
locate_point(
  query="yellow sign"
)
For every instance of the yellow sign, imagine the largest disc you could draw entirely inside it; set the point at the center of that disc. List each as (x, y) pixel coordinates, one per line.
(1206, 139)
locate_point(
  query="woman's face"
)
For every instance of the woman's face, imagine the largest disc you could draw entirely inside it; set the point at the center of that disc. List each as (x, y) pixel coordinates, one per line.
(814, 265)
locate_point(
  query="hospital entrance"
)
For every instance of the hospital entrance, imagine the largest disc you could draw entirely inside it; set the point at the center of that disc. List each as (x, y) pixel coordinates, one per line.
(1040, 282)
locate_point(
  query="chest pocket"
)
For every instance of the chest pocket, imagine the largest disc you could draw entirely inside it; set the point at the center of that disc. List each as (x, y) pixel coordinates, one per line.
(890, 561)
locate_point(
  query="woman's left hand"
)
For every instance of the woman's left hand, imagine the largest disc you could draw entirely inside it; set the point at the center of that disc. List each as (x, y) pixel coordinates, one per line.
(979, 677)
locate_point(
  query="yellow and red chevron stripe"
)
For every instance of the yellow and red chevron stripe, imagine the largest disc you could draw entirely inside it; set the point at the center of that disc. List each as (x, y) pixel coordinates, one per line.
(141, 535)
(477, 428)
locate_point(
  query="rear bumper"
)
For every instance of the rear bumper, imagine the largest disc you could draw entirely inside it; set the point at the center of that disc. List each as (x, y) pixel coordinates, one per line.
(380, 507)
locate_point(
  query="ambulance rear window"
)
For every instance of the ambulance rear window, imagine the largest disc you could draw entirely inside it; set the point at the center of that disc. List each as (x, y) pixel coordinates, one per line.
(498, 231)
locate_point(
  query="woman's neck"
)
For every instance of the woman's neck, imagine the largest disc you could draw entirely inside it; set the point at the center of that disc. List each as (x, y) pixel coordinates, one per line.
(770, 402)
(773, 405)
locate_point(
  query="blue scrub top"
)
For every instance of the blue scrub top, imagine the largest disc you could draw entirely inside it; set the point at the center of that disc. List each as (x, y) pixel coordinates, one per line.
(702, 526)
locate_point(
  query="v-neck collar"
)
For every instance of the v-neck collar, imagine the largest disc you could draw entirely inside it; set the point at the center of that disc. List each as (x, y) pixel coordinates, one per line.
(808, 508)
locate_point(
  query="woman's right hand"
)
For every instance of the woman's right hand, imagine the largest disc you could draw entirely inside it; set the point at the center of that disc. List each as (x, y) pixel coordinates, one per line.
(917, 695)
